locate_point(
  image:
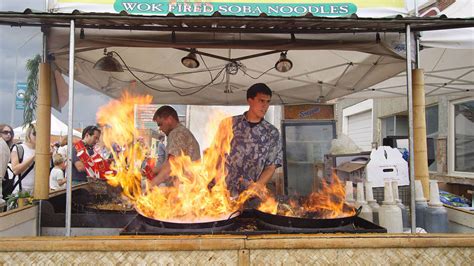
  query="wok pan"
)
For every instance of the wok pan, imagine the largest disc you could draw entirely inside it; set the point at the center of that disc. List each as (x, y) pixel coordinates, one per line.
(297, 222)
(223, 221)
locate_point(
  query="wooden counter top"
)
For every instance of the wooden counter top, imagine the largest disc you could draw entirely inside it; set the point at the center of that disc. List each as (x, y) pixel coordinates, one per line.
(54, 193)
(235, 242)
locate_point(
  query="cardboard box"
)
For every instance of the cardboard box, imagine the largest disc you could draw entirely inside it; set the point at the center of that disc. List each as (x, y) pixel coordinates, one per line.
(387, 164)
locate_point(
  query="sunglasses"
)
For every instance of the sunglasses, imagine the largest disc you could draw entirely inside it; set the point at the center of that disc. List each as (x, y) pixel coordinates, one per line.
(7, 132)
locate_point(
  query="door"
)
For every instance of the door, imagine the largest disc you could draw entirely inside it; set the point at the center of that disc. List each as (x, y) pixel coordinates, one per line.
(304, 146)
(359, 129)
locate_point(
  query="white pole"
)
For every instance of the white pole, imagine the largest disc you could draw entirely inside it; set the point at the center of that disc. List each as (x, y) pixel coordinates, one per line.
(416, 8)
(70, 130)
(417, 40)
(410, 126)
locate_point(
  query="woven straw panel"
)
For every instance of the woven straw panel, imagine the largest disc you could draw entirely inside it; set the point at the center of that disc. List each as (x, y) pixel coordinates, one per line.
(399, 256)
(228, 257)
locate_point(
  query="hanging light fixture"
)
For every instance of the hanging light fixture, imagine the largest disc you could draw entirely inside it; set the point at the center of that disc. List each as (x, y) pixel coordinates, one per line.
(108, 63)
(190, 61)
(283, 64)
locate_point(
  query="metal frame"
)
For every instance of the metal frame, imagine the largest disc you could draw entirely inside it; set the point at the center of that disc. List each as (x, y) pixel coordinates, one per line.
(217, 23)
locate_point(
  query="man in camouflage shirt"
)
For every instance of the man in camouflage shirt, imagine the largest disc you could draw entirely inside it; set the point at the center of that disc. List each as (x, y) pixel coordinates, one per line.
(180, 141)
(255, 148)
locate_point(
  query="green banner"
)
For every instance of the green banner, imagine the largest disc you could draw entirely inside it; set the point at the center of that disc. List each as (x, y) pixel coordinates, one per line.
(21, 88)
(154, 7)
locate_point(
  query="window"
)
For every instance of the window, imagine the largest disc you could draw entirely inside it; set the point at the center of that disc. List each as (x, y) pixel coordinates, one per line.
(432, 135)
(396, 125)
(462, 136)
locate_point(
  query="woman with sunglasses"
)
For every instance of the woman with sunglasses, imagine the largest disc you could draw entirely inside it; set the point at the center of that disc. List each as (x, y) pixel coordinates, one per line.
(25, 168)
(6, 141)
(7, 134)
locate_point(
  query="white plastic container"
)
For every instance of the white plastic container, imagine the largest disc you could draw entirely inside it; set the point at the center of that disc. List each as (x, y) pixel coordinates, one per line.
(390, 215)
(369, 195)
(366, 211)
(399, 203)
(349, 193)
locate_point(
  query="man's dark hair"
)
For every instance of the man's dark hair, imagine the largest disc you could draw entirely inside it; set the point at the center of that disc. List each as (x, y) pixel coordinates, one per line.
(258, 88)
(89, 130)
(165, 111)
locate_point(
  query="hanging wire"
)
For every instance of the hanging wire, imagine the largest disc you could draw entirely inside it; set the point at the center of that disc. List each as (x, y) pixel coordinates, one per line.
(263, 73)
(199, 88)
(281, 99)
(204, 62)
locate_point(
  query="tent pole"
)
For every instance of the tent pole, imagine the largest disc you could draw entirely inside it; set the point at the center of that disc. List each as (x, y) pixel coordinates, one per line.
(410, 126)
(43, 130)
(69, 130)
(419, 130)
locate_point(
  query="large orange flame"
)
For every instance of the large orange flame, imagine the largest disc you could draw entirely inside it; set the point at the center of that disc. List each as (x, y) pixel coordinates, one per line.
(329, 201)
(117, 118)
(326, 203)
(200, 192)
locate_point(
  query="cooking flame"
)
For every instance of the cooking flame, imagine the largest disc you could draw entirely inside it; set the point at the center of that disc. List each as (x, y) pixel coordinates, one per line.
(119, 131)
(329, 201)
(199, 192)
(326, 203)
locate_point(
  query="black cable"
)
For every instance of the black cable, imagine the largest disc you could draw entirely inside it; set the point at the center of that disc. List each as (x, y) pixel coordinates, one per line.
(168, 78)
(245, 73)
(204, 62)
(194, 87)
(281, 99)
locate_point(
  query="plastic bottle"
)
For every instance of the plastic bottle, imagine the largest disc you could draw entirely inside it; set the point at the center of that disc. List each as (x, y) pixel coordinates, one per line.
(369, 195)
(436, 216)
(420, 205)
(366, 212)
(390, 215)
(349, 193)
(399, 203)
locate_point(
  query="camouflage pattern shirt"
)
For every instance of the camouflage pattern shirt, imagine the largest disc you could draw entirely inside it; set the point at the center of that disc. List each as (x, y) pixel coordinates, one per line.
(253, 147)
(180, 139)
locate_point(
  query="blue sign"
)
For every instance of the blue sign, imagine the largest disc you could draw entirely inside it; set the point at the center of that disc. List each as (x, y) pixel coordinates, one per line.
(20, 95)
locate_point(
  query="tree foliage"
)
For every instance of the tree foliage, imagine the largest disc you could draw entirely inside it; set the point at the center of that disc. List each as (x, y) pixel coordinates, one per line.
(32, 65)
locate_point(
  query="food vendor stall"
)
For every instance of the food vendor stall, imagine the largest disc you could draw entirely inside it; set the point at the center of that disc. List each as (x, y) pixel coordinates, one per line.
(275, 239)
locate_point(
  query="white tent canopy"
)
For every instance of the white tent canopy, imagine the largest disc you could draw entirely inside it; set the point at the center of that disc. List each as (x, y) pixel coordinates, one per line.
(447, 60)
(447, 72)
(331, 57)
(324, 72)
(58, 128)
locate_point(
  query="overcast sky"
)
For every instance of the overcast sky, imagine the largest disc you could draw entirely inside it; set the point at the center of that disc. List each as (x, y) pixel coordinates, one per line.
(17, 45)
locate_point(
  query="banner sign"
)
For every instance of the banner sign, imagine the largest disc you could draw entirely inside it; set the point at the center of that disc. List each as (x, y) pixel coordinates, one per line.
(144, 116)
(286, 8)
(20, 95)
(152, 7)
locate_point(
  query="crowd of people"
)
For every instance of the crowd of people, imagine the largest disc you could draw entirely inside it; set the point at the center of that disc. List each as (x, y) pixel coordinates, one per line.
(255, 150)
(17, 161)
